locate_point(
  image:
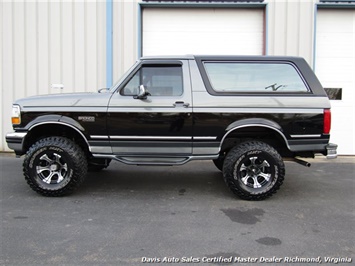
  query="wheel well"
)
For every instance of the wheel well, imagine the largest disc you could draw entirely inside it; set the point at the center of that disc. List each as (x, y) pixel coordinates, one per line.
(48, 130)
(267, 135)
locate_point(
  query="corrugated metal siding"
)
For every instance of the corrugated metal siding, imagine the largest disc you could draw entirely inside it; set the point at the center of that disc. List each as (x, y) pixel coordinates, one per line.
(2, 91)
(290, 28)
(45, 42)
(125, 43)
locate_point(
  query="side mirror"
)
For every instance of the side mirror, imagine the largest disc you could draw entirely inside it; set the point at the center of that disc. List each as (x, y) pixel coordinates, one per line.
(142, 93)
(103, 90)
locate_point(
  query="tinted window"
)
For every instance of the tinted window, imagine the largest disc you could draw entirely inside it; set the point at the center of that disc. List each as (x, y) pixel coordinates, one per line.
(254, 77)
(158, 80)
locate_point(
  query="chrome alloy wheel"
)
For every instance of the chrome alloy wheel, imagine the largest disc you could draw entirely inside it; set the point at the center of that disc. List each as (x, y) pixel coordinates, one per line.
(254, 173)
(253, 170)
(52, 170)
(55, 166)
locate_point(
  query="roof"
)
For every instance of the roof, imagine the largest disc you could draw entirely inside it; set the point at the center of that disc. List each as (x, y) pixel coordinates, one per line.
(222, 57)
(174, 57)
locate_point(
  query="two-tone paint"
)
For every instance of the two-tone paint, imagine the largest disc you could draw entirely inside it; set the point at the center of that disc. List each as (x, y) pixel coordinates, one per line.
(173, 130)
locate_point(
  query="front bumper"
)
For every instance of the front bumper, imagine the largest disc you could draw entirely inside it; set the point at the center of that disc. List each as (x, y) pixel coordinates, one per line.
(15, 141)
(332, 151)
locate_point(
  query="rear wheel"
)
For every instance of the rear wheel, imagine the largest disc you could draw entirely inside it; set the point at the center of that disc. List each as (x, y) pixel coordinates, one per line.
(55, 166)
(253, 170)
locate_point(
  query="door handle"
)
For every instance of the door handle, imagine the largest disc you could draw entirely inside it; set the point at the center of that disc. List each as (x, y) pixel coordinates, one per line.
(181, 104)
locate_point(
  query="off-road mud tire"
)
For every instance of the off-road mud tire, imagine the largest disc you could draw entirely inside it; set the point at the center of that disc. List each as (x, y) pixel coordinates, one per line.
(253, 170)
(55, 166)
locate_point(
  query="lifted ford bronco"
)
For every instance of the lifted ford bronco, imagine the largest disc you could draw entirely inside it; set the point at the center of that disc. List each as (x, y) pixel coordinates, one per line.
(246, 113)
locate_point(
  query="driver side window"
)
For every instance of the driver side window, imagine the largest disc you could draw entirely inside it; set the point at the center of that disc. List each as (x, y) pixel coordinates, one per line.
(158, 80)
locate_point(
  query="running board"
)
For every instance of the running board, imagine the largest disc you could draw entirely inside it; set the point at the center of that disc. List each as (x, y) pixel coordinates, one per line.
(149, 160)
(168, 161)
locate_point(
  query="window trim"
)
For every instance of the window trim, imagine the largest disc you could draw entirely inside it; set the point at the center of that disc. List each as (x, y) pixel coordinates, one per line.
(150, 62)
(212, 91)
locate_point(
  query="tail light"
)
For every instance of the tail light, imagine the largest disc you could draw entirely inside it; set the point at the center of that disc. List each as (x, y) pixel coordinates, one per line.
(327, 120)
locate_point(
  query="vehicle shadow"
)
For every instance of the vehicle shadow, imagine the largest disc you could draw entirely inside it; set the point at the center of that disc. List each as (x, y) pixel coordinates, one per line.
(200, 178)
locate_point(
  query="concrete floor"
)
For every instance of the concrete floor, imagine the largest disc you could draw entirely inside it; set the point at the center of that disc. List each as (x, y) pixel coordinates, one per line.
(128, 215)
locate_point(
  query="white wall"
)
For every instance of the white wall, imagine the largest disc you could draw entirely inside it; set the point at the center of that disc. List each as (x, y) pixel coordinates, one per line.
(335, 67)
(226, 31)
(46, 42)
(125, 43)
(290, 28)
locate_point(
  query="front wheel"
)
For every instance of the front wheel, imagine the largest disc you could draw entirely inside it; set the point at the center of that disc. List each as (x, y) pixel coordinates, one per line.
(55, 166)
(253, 170)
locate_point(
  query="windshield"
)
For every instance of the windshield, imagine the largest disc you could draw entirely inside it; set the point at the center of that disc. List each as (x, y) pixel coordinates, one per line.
(123, 77)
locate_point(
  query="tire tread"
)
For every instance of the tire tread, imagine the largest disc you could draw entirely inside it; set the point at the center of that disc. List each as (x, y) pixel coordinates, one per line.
(236, 153)
(79, 165)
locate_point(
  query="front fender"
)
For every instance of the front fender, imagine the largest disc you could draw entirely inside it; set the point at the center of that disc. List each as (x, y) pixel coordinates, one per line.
(42, 119)
(56, 119)
(17, 140)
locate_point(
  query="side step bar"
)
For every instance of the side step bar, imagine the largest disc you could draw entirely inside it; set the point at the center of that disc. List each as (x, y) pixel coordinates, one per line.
(148, 160)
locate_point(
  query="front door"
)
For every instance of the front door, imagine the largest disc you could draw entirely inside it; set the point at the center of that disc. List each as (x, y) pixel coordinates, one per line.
(159, 124)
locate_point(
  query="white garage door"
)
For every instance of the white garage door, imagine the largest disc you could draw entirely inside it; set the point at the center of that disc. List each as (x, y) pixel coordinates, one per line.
(176, 31)
(335, 67)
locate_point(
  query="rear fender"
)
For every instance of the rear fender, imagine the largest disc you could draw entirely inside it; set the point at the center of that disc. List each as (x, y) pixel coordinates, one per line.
(254, 122)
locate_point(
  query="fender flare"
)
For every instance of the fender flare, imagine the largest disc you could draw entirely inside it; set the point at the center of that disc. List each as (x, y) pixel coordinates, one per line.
(254, 122)
(42, 119)
(58, 120)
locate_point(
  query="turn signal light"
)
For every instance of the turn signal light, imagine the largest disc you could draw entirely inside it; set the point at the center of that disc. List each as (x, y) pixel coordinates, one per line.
(327, 120)
(15, 120)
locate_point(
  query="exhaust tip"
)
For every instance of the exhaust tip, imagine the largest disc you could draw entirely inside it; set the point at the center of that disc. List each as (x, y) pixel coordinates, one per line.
(302, 162)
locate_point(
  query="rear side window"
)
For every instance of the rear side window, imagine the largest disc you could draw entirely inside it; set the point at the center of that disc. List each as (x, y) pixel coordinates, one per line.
(250, 77)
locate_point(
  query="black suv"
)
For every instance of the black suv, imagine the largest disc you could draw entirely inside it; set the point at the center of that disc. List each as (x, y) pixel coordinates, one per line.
(246, 113)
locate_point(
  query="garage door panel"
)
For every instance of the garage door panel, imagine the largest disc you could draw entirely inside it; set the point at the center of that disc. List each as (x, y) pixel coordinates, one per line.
(343, 42)
(342, 132)
(186, 43)
(202, 31)
(335, 67)
(335, 21)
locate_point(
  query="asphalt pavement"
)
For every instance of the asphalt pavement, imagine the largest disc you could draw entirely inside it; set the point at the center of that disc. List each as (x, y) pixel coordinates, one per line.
(182, 215)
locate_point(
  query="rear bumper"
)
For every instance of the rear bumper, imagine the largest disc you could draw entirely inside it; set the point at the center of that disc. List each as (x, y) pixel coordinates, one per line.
(332, 151)
(15, 141)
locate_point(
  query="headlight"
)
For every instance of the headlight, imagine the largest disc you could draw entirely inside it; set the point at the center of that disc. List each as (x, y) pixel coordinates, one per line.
(16, 115)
